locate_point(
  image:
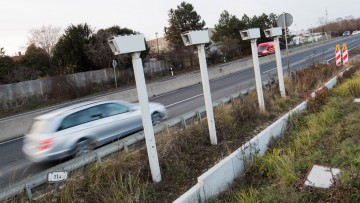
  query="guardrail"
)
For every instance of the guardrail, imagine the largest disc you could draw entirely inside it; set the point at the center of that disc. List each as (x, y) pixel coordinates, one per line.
(41, 178)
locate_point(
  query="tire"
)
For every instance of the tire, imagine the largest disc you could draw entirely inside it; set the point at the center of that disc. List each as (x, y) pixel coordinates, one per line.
(156, 118)
(82, 148)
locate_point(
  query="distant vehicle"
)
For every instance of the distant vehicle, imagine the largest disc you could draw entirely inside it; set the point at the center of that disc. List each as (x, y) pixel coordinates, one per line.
(77, 129)
(356, 32)
(346, 33)
(266, 48)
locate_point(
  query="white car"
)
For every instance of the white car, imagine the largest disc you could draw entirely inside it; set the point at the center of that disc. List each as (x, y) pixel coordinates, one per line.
(77, 129)
(356, 32)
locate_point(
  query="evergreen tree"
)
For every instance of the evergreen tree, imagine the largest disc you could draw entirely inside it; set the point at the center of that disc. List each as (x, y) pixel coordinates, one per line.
(99, 52)
(69, 52)
(182, 19)
(6, 66)
(36, 58)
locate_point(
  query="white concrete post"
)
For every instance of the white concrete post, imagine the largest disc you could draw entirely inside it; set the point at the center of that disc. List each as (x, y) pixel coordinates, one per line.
(259, 89)
(207, 94)
(279, 67)
(146, 117)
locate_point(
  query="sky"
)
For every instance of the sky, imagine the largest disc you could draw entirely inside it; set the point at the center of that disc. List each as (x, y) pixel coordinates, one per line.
(18, 17)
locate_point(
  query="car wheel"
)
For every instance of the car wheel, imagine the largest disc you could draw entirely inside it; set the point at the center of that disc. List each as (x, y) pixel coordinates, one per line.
(156, 118)
(82, 148)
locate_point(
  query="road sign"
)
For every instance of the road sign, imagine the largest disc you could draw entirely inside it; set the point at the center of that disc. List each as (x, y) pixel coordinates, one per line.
(338, 55)
(114, 63)
(57, 176)
(345, 55)
(344, 47)
(285, 20)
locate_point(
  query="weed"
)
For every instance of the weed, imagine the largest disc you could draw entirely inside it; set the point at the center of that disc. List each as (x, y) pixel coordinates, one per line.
(354, 89)
(315, 103)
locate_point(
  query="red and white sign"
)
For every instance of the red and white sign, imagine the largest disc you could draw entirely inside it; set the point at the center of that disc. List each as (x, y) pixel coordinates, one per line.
(345, 55)
(338, 55)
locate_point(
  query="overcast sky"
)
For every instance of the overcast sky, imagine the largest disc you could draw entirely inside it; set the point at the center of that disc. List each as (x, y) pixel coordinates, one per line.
(18, 17)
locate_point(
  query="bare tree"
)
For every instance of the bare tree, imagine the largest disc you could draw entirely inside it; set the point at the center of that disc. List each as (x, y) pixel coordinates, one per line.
(229, 47)
(322, 21)
(2, 52)
(45, 37)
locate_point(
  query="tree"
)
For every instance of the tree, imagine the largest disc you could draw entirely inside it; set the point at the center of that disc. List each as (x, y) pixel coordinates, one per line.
(6, 65)
(246, 20)
(45, 37)
(99, 52)
(227, 34)
(69, 52)
(2, 52)
(273, 20)
(263, 22)
(36, 58)
(228, 26)
(229, 47)
(182, 19)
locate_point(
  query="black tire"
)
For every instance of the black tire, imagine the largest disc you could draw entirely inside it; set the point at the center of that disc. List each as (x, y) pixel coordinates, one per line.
(156, 118)
(82, 148)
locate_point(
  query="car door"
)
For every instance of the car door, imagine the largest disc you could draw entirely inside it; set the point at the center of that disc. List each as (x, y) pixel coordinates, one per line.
(120, 120)
(271, 49)
(91, 123)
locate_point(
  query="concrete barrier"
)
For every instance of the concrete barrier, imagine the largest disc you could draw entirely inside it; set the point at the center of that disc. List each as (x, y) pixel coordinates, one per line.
(220, 177)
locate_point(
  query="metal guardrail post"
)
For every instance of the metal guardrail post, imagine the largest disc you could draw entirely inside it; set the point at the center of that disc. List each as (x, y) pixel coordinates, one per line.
(28, 191)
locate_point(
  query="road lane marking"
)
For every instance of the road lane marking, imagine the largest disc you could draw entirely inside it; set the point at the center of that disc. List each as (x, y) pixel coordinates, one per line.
(11, 140)
(269, 70)
(183, 100)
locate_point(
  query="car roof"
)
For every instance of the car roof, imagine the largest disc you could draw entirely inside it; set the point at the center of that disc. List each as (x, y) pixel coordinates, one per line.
(265, 43)
(76, 107)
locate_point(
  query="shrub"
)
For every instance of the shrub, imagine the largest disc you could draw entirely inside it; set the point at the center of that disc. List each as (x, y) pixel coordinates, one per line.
(315, 103)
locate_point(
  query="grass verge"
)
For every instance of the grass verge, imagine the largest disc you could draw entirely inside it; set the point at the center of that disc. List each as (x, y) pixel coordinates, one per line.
(329, 136)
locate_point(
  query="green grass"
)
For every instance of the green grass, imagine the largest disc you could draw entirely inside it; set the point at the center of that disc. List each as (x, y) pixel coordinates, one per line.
(330, 137)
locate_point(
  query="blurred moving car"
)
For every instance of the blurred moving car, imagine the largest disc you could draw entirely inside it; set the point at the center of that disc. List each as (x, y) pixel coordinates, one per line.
(356, 32)
(346, 33)
(266, 48)
(77, 129)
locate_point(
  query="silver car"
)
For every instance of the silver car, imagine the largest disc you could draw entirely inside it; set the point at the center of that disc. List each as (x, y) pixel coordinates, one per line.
(79, 128)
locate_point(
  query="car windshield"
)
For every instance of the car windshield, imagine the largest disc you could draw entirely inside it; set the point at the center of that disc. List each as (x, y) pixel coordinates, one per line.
(261, 48)
(41, 126)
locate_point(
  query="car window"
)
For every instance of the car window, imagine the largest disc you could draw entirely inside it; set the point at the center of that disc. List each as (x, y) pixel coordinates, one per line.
(260, 48)
(112, 109)
(92, 114)
(76, 119)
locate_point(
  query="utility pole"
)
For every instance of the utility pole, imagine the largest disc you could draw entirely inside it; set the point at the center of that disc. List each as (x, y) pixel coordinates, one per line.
(157, 43)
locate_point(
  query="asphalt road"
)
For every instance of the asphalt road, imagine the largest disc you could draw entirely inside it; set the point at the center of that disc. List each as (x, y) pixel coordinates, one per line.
(14, 166)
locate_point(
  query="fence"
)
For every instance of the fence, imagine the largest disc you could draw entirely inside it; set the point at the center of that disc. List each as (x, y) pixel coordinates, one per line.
(41, 87)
